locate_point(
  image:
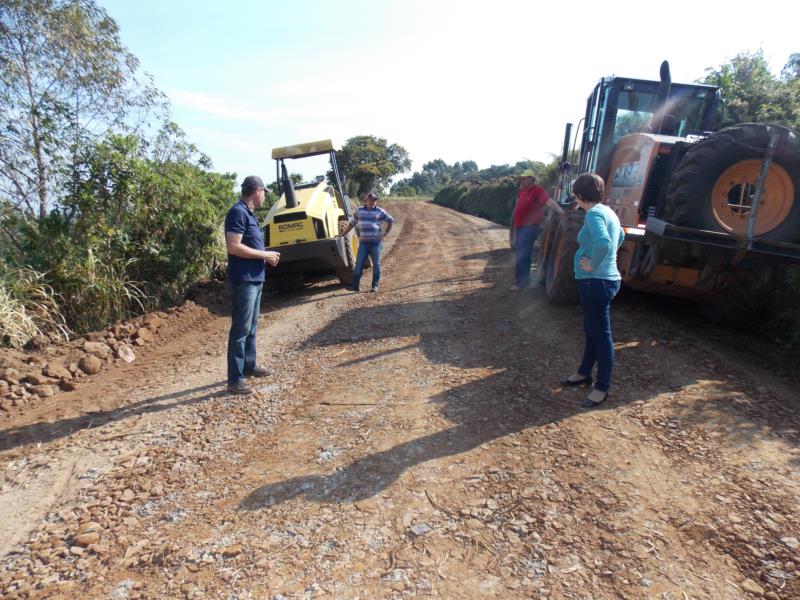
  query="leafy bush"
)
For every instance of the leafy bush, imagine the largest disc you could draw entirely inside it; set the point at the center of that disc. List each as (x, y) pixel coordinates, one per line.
(139, 226)
(493, 200)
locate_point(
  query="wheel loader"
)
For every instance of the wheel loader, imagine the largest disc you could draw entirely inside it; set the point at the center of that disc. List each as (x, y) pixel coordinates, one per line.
(305, 224)
(708, 214)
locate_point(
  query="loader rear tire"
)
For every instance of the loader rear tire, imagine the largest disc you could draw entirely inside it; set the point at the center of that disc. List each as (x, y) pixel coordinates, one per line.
(559, 284)
(545, 242)
(713, 177)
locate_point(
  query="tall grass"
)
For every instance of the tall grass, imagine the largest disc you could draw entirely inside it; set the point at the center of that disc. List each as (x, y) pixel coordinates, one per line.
(97, 293)
(28, 307)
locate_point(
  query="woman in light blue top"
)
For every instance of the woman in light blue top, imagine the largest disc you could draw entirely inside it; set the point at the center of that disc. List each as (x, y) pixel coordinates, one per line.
(598, 282)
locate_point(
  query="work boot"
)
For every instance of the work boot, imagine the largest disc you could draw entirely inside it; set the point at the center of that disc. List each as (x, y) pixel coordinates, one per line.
(374, 289)
(259, 372)
(240, 388)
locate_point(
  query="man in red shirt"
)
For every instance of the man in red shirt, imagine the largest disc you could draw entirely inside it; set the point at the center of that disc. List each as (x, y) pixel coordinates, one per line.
(526, 224)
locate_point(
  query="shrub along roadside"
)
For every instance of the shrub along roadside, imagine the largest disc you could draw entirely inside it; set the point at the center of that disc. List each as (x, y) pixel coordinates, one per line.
(28, 307)
(138, 227)
(493, 200)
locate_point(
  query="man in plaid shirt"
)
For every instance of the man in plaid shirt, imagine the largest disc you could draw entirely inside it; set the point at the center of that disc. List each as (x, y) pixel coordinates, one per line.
(367, 223)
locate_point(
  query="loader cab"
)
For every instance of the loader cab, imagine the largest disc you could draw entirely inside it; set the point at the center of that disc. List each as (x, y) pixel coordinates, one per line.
(619, 105)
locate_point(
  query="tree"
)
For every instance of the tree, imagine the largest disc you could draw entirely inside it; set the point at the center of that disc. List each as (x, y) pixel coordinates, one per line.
(65, 81)
(753, 94)
(434, 176)
(368, 162)
(142, 224)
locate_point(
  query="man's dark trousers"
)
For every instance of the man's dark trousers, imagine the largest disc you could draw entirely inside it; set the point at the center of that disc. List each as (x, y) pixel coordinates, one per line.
(245, 307)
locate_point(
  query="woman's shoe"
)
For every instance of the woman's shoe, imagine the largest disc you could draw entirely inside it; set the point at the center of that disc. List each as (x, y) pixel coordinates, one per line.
(569, 383)
(589, 403)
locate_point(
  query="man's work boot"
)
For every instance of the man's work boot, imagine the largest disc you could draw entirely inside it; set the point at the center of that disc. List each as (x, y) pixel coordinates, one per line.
(240, 388)
(259, 372)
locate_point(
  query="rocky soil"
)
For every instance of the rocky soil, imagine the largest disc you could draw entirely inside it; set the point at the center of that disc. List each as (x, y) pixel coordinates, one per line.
(412, 443)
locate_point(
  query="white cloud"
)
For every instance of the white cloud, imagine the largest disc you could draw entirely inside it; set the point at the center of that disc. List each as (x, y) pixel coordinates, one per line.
(218, 106)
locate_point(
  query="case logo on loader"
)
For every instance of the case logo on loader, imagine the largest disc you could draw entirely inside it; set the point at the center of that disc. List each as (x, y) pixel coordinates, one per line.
(290, 226)
(627, 175)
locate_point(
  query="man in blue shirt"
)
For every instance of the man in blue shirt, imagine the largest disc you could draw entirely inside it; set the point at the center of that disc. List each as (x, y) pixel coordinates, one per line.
(245, 278)
(367, 222)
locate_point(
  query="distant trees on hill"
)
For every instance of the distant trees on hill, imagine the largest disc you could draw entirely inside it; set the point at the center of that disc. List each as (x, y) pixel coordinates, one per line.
(437, 174)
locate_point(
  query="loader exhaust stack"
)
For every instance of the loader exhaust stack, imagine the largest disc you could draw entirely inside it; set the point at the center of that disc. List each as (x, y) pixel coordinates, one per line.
(288, 188)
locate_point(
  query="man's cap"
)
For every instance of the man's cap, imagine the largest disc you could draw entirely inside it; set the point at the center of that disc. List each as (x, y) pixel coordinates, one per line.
(372, 195)
(527, 173)
(251, 183)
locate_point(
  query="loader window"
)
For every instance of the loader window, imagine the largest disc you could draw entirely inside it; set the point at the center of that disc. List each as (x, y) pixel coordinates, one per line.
(682, 113)
(630, 122)
(634, 111)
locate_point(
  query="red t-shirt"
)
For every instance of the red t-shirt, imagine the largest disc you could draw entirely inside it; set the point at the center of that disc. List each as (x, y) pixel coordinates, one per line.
(529, 209)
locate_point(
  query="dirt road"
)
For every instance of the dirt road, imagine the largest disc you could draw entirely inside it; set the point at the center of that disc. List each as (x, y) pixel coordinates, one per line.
(413, 443)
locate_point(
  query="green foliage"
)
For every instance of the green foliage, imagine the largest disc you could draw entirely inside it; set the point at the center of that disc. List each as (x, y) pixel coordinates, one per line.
(436, 175)
(367, 163)
(141, 224)
(404, 191)
(65, 80)
(493, 200)
(97, 222)
(492, 193)
(753, 94)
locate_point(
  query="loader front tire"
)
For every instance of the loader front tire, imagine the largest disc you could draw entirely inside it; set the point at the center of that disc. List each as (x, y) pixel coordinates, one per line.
(544, 254)
(559, 275)
(714, 184)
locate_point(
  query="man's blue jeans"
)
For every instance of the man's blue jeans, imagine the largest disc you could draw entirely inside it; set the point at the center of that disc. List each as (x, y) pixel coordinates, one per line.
(373, 249)
(245, 306)
(596, 296)
(525, 237)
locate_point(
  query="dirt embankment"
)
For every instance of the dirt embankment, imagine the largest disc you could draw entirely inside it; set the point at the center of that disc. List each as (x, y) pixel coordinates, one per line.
(413, 443)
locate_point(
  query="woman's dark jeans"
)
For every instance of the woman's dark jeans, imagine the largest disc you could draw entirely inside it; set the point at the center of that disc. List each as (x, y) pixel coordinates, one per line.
(596, 296)
(245, 307)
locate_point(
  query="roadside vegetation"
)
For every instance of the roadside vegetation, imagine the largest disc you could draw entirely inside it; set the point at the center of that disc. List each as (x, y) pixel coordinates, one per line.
(106, 209)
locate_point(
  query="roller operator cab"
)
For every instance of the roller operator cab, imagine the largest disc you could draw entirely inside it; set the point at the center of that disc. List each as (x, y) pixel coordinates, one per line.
(304, 225)
(684, 193)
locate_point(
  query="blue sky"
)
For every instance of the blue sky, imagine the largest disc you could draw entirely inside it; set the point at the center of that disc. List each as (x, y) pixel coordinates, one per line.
(492, 81)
